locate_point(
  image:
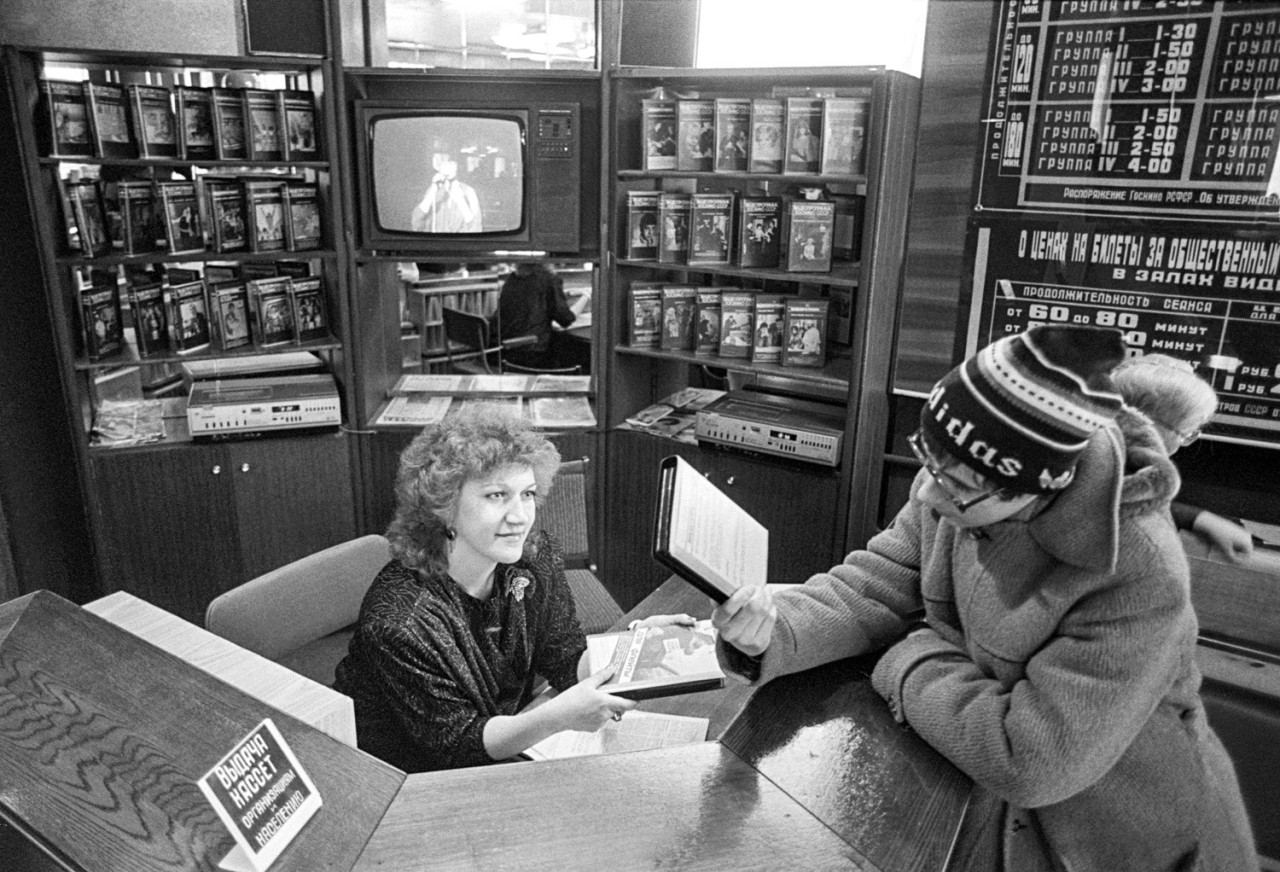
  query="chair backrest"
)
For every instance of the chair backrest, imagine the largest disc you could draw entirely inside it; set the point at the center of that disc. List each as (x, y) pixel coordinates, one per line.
(300, 602)
(466, 338)
(565, 513)
(576, 369)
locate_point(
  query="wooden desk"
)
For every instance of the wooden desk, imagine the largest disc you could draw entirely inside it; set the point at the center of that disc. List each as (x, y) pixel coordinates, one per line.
(103, 736)
(827, 738)
(314, 704)
(698, 807)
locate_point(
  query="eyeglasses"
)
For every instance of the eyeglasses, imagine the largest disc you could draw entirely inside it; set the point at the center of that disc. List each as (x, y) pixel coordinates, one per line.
(945, 484)
(1184, 437)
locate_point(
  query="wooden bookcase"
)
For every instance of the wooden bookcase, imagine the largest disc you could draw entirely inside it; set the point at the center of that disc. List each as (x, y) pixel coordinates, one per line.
(179, 522)
(815, 513)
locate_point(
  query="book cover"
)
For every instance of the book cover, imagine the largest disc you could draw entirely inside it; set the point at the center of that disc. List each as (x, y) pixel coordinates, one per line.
(658, 661)
(297, 113)
(695, 135)
(271, 311)
(140, 233)
(710, 227)
(692, 399)
(703, 536)
(840, 317)
(759, 232)
(228, 124)
(677, 317)
(673, 225)
(226, 214)
(100, 314)
(733, 121)
(294, 269)
(302, 216)
(737, 316)
(844, 132)
(195, 122)
(188, 306)
(230, 303)
(649, 415)
(109, 119)
(66, 116)
(645, 307)
(767, 344)
(264, 211)
(262, 124)
(417, 410)
(90, 217)
(803, 323)
(809, 227)
(846, 243)
(154, 129)
(642, 225)
(765, 152)
(803, 135)
(309, 309)
(558, 412)
(70, 233)
(258, 269)
(180, 211)
(659, 120)
(706, 316)
(150, 322)
(180, 275)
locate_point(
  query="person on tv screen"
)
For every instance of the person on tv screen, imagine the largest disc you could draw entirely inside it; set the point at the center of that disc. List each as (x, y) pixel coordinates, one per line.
(473, 607)
(1031, 603)
(449, 204)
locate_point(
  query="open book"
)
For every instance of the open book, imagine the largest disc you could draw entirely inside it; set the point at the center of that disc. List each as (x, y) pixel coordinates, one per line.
(704, 536)
(657, 661)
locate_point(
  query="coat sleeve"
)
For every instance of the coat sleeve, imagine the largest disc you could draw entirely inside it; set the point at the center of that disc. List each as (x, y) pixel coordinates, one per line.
(858, 605)
(1082, 698)
(418, 672)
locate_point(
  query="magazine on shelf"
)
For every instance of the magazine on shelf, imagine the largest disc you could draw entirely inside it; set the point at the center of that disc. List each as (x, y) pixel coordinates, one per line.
(556, 412)
(703, 536)
(657, 661)
(428, 383)
(151, 111)
(418, 410)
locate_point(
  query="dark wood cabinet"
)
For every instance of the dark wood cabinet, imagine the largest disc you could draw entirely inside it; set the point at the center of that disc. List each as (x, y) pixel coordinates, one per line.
(179, 525)
(796, 504)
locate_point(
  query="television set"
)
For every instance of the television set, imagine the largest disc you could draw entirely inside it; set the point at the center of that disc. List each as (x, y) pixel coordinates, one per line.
(469, 165)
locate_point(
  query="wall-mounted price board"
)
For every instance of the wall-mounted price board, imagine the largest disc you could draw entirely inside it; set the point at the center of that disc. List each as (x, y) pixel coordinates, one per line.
(1207, 297)
(1167, 108)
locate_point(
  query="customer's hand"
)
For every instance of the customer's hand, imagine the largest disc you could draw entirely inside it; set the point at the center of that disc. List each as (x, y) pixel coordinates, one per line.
(745, 620)
(1224, 534)
(664, 621)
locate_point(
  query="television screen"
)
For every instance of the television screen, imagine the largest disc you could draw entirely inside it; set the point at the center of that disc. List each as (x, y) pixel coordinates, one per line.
(448, 173)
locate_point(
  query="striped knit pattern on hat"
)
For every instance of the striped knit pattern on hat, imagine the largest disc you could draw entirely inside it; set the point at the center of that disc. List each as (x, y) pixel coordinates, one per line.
(1021, 410)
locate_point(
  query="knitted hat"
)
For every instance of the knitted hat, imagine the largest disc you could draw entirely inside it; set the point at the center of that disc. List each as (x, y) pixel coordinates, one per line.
(1020, 411)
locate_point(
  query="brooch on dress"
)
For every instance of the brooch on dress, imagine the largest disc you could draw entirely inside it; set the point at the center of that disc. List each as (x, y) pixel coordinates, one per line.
(518, 584)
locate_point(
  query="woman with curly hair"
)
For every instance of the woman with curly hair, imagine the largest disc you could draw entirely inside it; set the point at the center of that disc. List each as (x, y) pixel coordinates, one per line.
(472, 608)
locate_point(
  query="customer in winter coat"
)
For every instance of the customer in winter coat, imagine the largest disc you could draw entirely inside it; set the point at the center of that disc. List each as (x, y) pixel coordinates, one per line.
(1033, 605)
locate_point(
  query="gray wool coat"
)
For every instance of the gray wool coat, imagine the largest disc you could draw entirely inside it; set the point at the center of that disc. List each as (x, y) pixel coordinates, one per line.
(1057, 666)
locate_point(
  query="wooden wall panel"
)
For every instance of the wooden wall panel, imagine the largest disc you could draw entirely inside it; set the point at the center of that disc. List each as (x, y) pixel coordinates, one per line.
(935, 286)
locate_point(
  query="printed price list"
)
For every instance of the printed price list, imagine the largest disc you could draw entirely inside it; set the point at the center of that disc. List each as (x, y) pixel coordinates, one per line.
(1135, 106)
(1211, 301)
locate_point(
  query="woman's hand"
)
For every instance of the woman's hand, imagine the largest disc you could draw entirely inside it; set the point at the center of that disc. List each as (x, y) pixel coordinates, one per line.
(745, 620)
(585, 706)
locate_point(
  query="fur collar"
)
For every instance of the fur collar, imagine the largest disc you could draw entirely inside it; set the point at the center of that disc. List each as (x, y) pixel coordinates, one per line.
(1123, 472)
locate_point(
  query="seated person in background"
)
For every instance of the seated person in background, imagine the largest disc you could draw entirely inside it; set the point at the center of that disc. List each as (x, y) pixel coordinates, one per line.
(471, 608)
(1032, 601)
(532, 298)
(1168, 391)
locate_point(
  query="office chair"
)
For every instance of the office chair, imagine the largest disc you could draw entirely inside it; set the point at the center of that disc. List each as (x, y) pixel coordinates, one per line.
(303, 614)
(508, 366)
(467, 343)
(565, 515)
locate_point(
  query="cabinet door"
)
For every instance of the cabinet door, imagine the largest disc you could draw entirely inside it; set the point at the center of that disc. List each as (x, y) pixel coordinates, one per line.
(797, 504)
(292, 497)
(165, 525)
